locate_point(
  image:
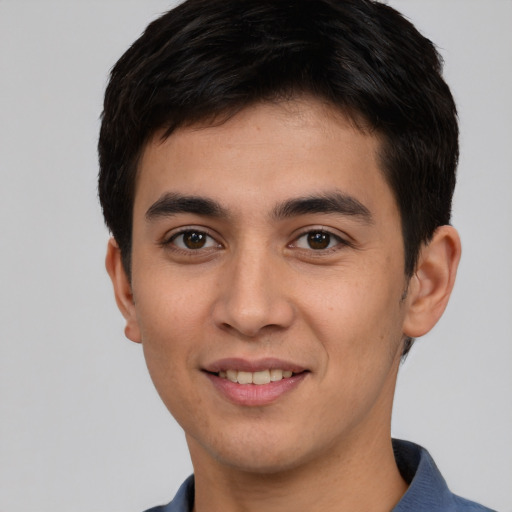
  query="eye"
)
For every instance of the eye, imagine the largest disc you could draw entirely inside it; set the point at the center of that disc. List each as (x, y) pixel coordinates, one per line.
(317, 240)
(193, 240)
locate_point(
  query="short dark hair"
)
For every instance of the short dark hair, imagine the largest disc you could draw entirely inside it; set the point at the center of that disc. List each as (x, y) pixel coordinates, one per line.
(205, 60)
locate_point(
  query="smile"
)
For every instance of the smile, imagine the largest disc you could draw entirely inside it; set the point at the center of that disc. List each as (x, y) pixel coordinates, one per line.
(252, 383)
(259, 378)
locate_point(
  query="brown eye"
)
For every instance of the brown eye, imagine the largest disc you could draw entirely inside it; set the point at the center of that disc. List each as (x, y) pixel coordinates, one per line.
(318, 240)
(193, 240)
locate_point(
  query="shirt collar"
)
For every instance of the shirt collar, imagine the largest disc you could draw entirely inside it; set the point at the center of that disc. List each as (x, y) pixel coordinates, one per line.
(427, 490)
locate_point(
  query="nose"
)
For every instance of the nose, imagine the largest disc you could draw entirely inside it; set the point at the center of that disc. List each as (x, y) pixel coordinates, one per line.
(252, 299)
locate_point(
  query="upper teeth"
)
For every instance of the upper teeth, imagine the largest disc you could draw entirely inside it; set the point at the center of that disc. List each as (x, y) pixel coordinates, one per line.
(263, 377)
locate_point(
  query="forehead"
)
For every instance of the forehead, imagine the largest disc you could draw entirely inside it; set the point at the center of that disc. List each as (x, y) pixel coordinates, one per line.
(263, 154)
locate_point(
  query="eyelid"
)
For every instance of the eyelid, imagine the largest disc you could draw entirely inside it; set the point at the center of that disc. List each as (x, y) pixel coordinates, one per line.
(343, 239)
(169, 237)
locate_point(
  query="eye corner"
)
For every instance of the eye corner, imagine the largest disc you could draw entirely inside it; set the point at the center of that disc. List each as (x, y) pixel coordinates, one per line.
(318, 240)
(190, 241)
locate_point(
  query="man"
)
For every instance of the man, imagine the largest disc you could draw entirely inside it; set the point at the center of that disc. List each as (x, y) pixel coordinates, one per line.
(277, 177)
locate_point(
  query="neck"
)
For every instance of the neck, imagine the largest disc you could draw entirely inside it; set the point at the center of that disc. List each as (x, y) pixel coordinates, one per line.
(356, 473)
(356, 478)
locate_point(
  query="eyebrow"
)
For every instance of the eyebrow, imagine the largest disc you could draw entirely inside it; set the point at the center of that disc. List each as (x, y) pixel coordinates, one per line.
(336, 202)
(173, 203)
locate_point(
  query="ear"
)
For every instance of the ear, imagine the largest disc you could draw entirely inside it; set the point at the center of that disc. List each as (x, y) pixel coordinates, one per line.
(122, 290)
(432, 283)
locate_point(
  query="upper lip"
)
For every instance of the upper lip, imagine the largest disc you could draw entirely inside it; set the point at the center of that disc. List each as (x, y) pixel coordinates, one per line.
(256, 365)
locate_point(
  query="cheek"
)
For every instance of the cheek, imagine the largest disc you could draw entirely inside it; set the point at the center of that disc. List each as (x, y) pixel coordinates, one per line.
(359, 329)
(357, 320)
(169, 307)
(169, 336)
(171, 318)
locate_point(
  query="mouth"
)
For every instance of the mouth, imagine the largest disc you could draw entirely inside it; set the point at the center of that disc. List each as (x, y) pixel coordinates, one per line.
(255, 383)
(258, 378)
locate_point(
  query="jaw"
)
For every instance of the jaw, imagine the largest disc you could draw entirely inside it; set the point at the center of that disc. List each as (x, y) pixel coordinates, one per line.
(286, 436)
(262, 464)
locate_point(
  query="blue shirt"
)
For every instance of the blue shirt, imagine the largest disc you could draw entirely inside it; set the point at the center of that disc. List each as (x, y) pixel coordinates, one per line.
(427, 490)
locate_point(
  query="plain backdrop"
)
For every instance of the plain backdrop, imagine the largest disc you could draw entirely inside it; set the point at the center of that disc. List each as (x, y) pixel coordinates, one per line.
(81, 427)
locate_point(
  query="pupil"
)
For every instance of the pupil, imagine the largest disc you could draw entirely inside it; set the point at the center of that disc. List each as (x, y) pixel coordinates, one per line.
(194, 240)
(319, 240)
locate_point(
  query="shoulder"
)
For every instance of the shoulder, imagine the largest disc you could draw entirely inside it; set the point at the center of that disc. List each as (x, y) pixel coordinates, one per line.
(464, 505)
(428, 491)
(182, 502)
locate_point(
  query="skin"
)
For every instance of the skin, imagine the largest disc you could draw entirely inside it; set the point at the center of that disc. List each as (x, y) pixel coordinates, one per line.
(257, 289)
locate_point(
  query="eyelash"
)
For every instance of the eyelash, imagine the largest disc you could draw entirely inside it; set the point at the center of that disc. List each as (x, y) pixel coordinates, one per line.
(170, 242)
(339, 242)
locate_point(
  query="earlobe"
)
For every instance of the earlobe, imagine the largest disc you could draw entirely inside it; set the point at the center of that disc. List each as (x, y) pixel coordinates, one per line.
(122, 290)
(432, 283)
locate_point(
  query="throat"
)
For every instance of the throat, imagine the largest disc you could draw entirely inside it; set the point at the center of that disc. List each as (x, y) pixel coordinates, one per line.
(334, 484)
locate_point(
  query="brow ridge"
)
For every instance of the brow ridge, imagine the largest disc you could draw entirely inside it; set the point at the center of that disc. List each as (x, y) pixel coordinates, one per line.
(173, 203)
(337, 203)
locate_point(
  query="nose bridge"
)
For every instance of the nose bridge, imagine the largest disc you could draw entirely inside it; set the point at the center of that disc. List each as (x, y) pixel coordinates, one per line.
(252, 294)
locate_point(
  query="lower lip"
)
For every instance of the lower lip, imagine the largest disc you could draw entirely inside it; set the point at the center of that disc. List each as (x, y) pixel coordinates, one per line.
(255, 394)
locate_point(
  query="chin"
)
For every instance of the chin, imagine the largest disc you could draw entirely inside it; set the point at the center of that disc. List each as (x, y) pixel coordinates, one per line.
(264, 464)
(266, 453)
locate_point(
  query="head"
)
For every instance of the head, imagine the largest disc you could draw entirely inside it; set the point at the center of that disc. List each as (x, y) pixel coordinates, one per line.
(205, 61)
(254, 100)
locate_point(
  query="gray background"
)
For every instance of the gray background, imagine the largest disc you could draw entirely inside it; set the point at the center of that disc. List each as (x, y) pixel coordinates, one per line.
(81, 428)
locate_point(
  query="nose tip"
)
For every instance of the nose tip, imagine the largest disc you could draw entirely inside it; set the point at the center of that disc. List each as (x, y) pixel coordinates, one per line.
(253, 301)
(253, 321)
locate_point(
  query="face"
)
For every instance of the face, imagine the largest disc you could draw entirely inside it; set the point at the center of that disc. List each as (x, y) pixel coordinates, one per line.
(268, 282)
